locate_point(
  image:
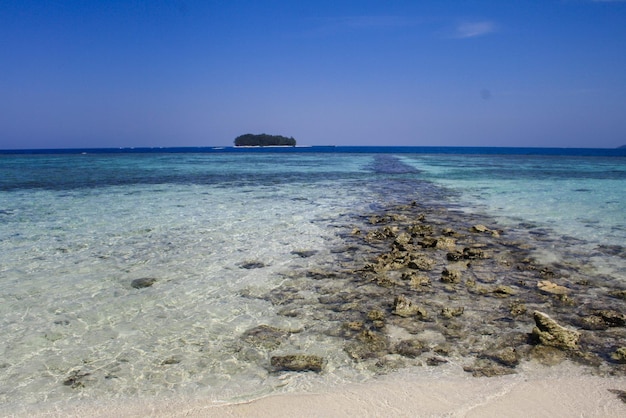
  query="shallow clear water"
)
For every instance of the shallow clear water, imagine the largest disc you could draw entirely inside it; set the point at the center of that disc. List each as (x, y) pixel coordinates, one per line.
(579, 197)
(75, 230)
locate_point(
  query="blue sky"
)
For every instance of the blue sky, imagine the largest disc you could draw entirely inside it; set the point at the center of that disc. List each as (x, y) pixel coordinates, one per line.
(199, 73)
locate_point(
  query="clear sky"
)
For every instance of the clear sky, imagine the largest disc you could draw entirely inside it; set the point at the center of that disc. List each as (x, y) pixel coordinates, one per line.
(388, 72)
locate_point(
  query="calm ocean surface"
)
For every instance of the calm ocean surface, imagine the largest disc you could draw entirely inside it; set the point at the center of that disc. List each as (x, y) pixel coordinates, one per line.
(76, 227)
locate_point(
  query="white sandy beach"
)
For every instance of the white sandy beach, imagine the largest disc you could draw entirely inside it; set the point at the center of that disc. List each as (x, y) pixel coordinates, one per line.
(399, 395)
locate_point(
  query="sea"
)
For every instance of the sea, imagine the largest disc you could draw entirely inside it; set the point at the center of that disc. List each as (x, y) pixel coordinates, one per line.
(212, 226)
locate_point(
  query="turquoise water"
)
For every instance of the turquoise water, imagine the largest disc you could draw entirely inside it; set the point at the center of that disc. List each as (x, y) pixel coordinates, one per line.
(76, 229)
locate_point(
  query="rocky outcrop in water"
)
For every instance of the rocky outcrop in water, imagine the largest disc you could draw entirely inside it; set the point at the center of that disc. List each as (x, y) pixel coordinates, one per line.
(420, 285)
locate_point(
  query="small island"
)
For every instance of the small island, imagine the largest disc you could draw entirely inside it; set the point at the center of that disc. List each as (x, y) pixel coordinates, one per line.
(264, 140)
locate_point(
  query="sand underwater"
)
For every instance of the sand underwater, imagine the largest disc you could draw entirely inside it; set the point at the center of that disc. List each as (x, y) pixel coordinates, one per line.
(491, 327)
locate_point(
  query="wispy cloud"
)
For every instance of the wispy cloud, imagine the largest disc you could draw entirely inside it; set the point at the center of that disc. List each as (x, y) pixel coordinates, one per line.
(473, 29)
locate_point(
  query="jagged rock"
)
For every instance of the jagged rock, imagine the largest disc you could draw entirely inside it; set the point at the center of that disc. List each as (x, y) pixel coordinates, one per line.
(450, 276)
(418, 229)
(422, 263)
(404, 307)
(382, 233)
(517, 308)
(143, 282)
(402, 240)
(448, 312)
(547, 286)
(375, 315)
(612, 318)
(445, 243)
(619, 355)
(297, 363)
(415, 279)
(548, 332)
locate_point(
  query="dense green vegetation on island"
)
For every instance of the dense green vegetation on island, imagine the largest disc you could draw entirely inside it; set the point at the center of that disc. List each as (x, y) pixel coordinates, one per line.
(263, 140)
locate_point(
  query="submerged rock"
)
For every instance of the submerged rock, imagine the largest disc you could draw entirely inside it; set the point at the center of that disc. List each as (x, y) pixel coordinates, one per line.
(619, 355)
(450, 276)
(143, 282)
(409, 348)
(547, 286)
(265, 336)
(297, 363)
(548, 332)
(404, 307)
(248, 265)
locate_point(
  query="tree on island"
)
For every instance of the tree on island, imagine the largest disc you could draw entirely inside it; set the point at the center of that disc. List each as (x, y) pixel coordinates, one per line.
(264, 140)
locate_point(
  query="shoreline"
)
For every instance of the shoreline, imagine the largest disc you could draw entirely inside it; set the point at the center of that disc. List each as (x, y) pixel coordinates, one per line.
(400, 394)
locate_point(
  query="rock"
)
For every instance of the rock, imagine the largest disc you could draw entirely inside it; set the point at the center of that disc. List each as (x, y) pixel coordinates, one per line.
(143, 282)
(265, 336)
(297, 363)
(248, 265)
(355, 325)
(503, 291)
(619, 355)
(304, 253)
(450, 276)
(548, 356)
(376, 315)
(405, 308)
(517, 308)
(479, 228)
(445, 243)
(448, 312)
(620, 294)
(422, 263)
(488, 369)
(368, 344)
(507, 357)
(76, 379)
(419, 281)
(483, 229)
(409, 348)
(402, 240)
(436, 361)
(548, 332)
(455, 256)
(547, 286)
(612, 318)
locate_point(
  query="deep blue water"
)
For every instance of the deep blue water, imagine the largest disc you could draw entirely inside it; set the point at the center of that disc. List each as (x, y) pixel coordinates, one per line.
(606, 152)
